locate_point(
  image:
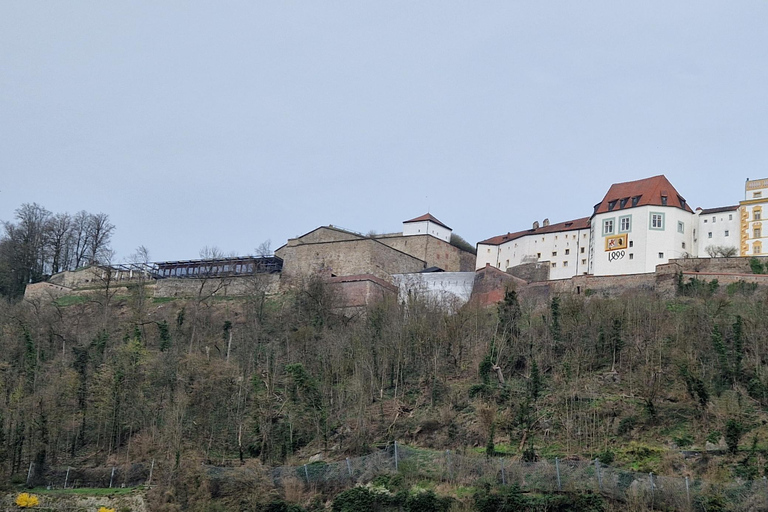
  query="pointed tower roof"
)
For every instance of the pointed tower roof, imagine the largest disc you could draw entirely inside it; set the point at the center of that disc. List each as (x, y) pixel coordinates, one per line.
(427, 217)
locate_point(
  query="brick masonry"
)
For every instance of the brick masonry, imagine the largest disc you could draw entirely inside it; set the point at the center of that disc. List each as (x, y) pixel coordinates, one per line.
(491, 284)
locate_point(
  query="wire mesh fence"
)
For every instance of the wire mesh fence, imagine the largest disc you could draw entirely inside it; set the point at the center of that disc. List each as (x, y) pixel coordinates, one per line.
(465, 469)
(544, 476)
(127, 475)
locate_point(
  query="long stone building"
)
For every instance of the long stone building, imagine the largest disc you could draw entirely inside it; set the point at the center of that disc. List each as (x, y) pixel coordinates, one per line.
(423, 243)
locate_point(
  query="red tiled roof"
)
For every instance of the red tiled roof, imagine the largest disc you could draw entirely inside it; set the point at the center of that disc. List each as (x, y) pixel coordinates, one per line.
(429, 217)
(568, 225)
(645, 192)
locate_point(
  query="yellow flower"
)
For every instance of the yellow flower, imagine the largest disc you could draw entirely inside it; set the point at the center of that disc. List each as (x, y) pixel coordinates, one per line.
(26, 500)
(105, 509)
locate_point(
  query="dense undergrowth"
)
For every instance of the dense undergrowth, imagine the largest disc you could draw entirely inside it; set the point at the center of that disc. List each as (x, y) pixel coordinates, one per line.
(274, 380)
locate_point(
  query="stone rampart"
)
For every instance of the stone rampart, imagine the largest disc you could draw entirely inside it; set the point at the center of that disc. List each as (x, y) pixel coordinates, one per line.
(531, 272)
(237, 286)
(359, 291)
(347, 258)
(433, 251)
(45, 291)
(739, 265)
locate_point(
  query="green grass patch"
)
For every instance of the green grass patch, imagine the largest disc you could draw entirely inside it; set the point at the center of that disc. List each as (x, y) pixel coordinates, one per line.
(641, 457)
(71, 300)
(162, 300)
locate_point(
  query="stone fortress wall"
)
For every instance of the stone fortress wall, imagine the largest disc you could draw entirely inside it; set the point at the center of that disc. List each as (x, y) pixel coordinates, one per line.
(433, 251)
(345, 258)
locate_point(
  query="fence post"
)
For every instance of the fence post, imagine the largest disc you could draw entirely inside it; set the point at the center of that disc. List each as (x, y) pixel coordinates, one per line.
(66, 478)
(349, 468)
(503, 476)
(112, 477)
(29, 473)
(688, 491)
(306, 473)
(151, 468)
(396, 456)
(557, 468)
(599, 477)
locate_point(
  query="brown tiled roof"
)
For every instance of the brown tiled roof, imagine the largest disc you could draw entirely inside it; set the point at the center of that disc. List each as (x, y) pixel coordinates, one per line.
(645, 192)
(429, 217)
(568, 225)
(706, 211)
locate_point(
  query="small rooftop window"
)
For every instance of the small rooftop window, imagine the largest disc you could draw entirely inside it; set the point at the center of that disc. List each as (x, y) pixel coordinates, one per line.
(623, 202)
(611, 205)
(663, 200)
(636, 199)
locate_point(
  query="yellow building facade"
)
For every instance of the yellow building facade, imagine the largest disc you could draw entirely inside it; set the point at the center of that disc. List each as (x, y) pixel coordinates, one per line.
(755, 204)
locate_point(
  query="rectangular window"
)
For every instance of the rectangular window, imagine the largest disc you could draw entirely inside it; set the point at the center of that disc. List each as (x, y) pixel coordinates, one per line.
(758, 232)
(705, 221)
(582, 250)
(625, 224)
(714, 219)
(554, 264)
(727, 233)
(538, 255)
(583, 262)
(683, 245)
(661, 255)
(730, 216)
(565, 263)
(657, 221)
(554, 253)
(567, 252)
(631, 256)
(631, 243)
(607, 227)
(757, 214)
(680, 227)
(757, 194)
(709, 235)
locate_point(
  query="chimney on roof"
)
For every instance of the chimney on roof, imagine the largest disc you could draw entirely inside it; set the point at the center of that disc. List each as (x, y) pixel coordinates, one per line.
(546, 222)
(535, 224)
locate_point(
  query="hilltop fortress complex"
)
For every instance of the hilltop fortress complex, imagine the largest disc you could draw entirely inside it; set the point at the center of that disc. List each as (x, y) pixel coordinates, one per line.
(642, 234)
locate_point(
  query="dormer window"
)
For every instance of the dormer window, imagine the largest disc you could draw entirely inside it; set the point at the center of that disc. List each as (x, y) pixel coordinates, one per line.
(635, 200)
(611, 205)
(623, 202)
(682, 202)
(663, 200)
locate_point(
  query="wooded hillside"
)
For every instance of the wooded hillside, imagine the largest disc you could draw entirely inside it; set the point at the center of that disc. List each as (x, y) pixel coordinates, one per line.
(99, 379)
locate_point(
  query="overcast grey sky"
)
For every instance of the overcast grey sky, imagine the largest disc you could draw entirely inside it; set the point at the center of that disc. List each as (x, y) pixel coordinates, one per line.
(229, 123)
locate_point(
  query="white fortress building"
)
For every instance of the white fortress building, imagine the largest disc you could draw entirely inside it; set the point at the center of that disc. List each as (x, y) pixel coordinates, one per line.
(637, 225)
